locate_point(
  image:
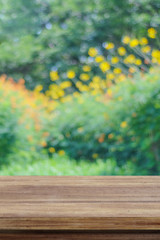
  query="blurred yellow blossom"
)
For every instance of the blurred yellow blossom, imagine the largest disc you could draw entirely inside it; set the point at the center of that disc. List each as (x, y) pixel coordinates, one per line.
(104, 66)
(114, 60)
(52, 150)
(156, 53)
(94, 155)
(92, 52)
(54, 75)
(65, 84)
(126, 40)
(38, 88)
(152, 32)
(143, 41)
(134, 42)
(146, 49)
(71, 74)
(123, 124)
(110, 76)
(61, 152)
(121, 51)
(86, 68)
(109, 92)
(138, 62)
(84, 77)
(130, 59)
(109, 45)
(117, 70)
(99, 58)
(96, 79)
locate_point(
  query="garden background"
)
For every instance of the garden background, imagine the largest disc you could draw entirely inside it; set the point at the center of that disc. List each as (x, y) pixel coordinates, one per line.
(79, 87)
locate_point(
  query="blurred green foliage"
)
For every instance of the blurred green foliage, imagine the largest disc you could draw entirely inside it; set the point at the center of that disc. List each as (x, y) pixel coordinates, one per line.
(121, 131)
(37, 36)
(123, 128)
(8, 129)
(32, 163)
(118, 134)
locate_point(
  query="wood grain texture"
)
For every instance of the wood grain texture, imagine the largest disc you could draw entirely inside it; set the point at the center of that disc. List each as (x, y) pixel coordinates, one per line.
(92, 235)
(79, 203)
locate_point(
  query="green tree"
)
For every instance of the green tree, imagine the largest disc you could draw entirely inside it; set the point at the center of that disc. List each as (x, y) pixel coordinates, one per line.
(37, 36)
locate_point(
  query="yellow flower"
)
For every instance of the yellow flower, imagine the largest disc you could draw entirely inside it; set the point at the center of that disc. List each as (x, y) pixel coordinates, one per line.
(146, 49)
(54, 75)
(92, 52)
(71, 74)
(94, 155)
(109, 46)
(78, 84)
(104, 66)
(61, 93)
(117, 70)
(84, 88)
(110, 76)
(156, 54)
(126, 40)
(114, 60)
(61, 152)
(121, 51)
(84, 77)
(99, 59)
(66, 84)
(123, 124)
(96, 79)
(38, 88)
(52, 150)
(138, 62)
(86, 68)
(109, 92)
(130, 59)
(134, 43)
(143, 41)
(152, 32)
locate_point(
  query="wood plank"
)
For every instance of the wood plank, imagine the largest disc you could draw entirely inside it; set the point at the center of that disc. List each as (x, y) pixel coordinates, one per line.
(79, 203)
(80, 235)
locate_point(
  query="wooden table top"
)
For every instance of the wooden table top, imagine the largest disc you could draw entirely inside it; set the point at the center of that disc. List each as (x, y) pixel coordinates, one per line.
(79, 203)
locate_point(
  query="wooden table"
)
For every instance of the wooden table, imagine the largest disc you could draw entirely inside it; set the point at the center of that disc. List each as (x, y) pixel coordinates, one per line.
(80, 208)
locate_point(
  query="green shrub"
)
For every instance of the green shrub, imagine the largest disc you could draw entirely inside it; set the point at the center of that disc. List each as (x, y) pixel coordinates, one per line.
(32, 163)
(77, 127)
(8, 129)
(124, 127)
(23, 117)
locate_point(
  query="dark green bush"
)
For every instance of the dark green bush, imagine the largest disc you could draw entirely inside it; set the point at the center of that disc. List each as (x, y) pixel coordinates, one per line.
(77, 127)
(8, 129)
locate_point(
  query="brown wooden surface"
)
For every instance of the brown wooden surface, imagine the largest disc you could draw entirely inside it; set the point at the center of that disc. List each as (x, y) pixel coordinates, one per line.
(80, 236)
(80, 203)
